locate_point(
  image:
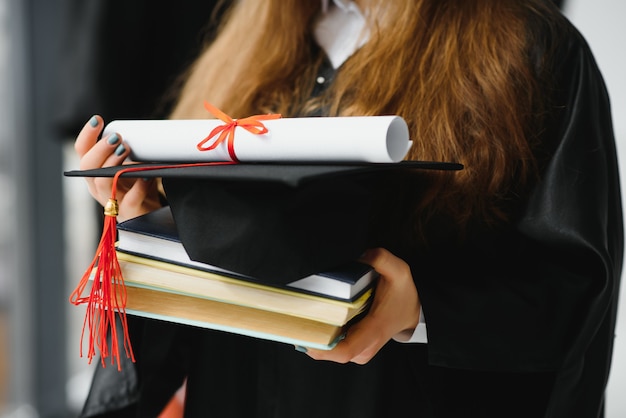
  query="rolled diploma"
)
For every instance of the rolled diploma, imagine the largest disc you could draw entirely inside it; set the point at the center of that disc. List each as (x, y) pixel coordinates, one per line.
(374, 139)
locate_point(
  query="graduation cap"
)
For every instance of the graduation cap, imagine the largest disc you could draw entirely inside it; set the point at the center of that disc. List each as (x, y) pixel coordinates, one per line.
(275, 222)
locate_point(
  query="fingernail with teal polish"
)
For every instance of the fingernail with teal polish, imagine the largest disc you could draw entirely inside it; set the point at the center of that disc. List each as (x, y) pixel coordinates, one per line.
(301, 349)
(113, 138)
(93, 121)
(120, 150)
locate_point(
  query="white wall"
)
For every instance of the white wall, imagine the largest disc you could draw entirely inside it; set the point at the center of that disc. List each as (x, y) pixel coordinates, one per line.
(603, 23)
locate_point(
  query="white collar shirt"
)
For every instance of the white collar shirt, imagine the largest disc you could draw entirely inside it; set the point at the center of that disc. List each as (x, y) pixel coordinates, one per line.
(340, 30)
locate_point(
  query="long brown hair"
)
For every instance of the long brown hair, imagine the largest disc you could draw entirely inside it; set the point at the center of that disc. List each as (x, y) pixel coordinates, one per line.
(459, 71)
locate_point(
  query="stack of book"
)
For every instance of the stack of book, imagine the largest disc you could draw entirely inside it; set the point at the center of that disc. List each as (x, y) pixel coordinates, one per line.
(163, 283)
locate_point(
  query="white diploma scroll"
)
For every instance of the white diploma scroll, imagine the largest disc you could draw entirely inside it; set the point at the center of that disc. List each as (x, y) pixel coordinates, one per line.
(371, 139)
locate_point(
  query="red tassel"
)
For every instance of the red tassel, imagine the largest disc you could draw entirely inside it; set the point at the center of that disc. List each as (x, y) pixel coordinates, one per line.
(107, 297)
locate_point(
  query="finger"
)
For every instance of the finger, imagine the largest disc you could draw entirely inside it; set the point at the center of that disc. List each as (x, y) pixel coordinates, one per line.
(396, 297)
(109, 151)
(384, 262)
(88, 136)
(99, 156)
(139, 199)
(361, 344)
(100, 188)
(138, 192)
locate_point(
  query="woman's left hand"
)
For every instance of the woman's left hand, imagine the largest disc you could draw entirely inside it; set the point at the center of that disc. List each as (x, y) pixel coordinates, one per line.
(395, 308)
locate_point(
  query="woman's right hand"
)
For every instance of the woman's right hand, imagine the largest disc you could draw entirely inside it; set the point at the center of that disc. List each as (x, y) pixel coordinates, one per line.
(134, 196)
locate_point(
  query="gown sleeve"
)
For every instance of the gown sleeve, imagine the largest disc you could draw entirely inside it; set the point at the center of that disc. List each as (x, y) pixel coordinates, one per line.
(542, 295)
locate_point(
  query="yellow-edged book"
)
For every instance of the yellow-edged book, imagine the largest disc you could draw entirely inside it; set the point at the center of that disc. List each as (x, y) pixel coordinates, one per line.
(167, 277)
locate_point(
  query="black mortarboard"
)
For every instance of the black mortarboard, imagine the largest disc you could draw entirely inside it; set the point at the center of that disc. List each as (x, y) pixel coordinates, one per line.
(274, 222)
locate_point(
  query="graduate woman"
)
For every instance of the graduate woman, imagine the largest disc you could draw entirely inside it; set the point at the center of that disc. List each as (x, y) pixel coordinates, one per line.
(499, 283)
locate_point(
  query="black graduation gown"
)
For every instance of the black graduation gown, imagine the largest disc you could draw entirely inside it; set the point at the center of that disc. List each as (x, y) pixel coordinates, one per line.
(520, 322)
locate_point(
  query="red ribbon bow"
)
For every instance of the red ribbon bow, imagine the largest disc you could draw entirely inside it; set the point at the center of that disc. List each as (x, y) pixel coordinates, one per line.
(226, 132)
